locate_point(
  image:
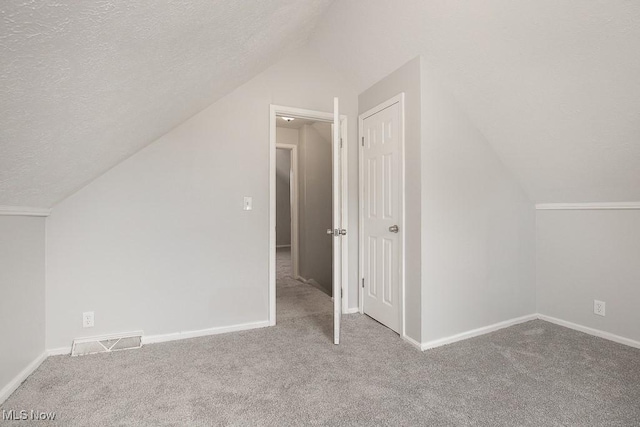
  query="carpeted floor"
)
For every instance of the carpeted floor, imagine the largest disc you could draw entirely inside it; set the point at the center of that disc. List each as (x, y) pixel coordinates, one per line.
(533, 374)
(295, 299)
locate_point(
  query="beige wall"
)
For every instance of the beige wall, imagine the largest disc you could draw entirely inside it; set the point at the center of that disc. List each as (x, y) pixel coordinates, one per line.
(470, 236)
(283, 194)
(478, 226)
(407, 79)
(161, 243)
(587, 255)
(315, 205)
(22, 294)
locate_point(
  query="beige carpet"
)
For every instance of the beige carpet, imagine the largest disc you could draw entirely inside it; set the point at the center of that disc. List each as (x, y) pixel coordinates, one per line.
(534, 374)
(293, 297)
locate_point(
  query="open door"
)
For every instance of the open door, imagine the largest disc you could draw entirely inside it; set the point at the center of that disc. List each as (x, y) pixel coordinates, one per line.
(338, 231)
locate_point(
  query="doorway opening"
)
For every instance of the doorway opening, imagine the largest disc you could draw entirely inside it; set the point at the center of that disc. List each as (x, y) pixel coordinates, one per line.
(304, 270)
(304, 202)
(308, 193)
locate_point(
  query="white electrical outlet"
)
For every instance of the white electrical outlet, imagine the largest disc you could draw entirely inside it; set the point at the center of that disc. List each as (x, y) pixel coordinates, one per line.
(599, 307)
(87, 319)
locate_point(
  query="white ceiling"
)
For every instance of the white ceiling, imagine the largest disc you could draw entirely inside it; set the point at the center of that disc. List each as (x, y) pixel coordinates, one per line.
(295, 124)
(83, 85)
(553, 85)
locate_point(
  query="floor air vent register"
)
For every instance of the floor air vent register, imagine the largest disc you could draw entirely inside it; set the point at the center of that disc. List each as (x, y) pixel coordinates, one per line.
(106, 344)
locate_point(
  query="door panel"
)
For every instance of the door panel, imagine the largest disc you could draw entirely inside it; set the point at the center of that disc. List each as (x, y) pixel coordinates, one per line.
(382, 186)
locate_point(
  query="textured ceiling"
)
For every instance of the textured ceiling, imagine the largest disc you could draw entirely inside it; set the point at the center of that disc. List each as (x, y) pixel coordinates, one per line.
(553, 85)
(85, 84)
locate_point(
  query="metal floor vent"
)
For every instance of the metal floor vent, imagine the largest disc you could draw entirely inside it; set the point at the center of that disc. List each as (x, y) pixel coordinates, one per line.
(105, 344)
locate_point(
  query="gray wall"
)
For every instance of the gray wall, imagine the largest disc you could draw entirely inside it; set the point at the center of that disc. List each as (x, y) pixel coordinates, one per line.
(470, 242)
(315, 205)
(283, 195)
(22, 294)
(160, 243)
(478, 226)
(407, 79)
(587, 255)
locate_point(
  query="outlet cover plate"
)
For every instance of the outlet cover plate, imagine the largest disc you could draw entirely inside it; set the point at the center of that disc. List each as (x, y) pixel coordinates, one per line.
(599, 307)
(87, 319)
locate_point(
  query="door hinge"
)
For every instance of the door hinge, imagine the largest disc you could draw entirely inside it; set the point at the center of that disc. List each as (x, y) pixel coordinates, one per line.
(341, 292)
(363, 282)
(363, 141)
(340, 142)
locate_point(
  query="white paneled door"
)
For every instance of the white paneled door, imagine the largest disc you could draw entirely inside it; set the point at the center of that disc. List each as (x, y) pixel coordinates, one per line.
(381, 206)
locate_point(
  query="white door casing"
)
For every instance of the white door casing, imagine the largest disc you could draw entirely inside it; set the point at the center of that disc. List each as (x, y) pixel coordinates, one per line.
(382, 213)
(338, 232)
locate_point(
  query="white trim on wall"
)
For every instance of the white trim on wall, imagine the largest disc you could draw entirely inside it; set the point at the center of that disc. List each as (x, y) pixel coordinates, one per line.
(412, 342)
(153, 339)
(588, 206)
(60, 351)
(511, 322)
(477, 332)
(23, 211)
(23, 375)
(591, 331)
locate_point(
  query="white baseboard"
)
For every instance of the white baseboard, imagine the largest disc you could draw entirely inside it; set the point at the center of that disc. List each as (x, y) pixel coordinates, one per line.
(591, 331)
(413, 342)
(153, 339)
(60, 351)
(352, 310)
(19, 379)
(477, 332)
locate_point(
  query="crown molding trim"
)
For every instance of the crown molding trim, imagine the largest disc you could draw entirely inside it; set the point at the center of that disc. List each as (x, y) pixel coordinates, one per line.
(23, 211)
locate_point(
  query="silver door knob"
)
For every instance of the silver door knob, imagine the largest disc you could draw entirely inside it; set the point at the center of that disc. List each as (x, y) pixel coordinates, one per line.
(394, 229)
(337, 232)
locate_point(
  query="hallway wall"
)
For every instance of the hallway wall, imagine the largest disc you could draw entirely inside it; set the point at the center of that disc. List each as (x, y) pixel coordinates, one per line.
(283, 195)
(315, 205)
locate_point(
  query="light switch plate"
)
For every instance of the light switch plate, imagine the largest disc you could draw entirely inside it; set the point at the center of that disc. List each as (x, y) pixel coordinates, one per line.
(248, 203)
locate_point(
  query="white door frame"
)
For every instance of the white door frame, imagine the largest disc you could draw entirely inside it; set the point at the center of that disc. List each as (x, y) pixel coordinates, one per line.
(293, 196)
(396, 99)
(278, 110)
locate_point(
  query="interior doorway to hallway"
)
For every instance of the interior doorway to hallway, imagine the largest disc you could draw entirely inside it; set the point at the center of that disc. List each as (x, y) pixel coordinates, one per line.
(308, 191)
(304, 199)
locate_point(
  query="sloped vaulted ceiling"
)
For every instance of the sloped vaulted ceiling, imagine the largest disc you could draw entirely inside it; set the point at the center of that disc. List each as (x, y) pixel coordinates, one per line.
(85, 84)
(553, 85)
